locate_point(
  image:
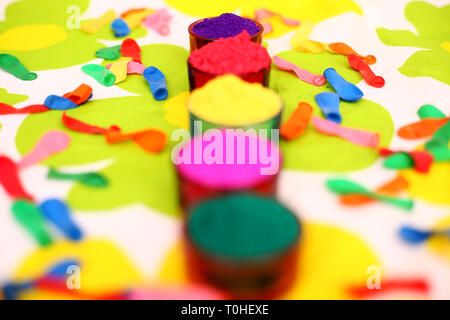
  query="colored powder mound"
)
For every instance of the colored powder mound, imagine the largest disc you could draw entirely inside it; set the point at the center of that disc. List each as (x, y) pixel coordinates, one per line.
(224, 26)
(237, 55)
(243, 227)
(230, 101)
(246, 168)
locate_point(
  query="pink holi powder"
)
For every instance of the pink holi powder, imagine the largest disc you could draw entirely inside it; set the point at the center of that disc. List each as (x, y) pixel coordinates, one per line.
(237, 55)
(246, 161)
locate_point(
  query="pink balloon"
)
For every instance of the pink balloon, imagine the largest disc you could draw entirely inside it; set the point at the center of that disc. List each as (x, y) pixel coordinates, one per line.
(356, 136)
(176, 293)
(305, 75)
(50, 143)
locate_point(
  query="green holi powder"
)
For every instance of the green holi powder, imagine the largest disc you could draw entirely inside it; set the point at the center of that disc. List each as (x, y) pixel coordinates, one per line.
(243, 227)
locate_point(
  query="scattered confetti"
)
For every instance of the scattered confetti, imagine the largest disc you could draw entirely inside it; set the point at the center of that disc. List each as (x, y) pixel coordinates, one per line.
(365, 71)
(100, 73)
(58, 213)
(356, 136)
(95, 25)
(50, 143)
(31, 218)
(346, 90)
(343, 187)
(13, 66)
(305, 75)
(297, 122)
(157, 82)
(92, 179)
(329, 104)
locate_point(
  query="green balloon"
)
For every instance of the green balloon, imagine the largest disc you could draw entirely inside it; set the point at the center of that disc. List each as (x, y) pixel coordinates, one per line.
(343, 186)
(430, 111)
(89, 178)
(399, 160)
(440, 138)
(13, 66)
(31, 218)
(110, 53)
(100, 73)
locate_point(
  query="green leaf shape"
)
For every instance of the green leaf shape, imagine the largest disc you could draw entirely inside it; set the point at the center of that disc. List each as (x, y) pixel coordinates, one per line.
(314, 151)
(77, 48)
(433, 29)
(135, 176)
(10, 98)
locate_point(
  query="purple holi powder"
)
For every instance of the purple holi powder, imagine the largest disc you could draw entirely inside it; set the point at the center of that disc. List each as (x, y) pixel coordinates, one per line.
(224, 26)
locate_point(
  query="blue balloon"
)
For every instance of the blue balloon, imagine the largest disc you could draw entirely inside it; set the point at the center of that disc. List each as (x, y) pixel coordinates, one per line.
(59, 103)
(414, 236)
(10, 291)
(157, 82)
(60, 269)
(329, 104)
(346, 90)
(58, 213)
(120, 28)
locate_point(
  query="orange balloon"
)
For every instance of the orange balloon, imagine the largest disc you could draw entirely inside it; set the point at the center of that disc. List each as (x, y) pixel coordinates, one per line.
(132, 11)
(80, 94)
(297, 122)
(344, 49)
(392, 187)
(151, 140)
(421, 129)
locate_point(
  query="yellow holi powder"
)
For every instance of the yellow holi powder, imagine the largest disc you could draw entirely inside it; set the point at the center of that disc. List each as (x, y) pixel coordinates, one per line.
(230, 101)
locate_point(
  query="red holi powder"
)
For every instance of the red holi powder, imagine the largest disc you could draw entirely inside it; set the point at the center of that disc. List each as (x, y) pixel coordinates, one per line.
(237, 55)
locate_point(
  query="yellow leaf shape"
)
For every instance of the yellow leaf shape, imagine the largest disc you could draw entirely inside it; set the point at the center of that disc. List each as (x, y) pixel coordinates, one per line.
(176, 110)
(331, 260)
(31, 37)
(104, 268)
